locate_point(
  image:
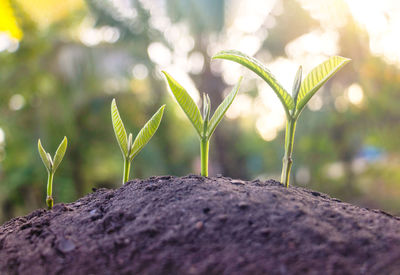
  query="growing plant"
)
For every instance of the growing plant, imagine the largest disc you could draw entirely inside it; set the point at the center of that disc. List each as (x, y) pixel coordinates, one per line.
(294, 104)
(204, 126)
(130, 149)
(51, 166)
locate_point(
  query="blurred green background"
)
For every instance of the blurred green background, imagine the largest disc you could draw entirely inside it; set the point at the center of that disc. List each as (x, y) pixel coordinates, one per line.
(61, 63)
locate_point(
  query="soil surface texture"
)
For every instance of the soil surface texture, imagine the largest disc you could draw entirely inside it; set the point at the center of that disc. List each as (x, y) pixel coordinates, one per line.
(196, 225)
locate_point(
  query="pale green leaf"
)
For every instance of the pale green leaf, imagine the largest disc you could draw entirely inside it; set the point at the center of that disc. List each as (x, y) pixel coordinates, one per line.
(222, 108)
(43, 156)
(206, 113)
(257, 67)
(130, 143)
(297, 84)
(49, 159)
(206, 107)
(187, 104)
(58, 156)
(317, 77)
(119, 128)
(147, 132)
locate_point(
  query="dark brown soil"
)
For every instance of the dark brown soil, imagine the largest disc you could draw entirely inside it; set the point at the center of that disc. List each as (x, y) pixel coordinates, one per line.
(195, 225)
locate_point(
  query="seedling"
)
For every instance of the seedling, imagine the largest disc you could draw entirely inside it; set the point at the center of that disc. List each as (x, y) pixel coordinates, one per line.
(130, 149)
(294, 104)
(204, 126)
(51, 166)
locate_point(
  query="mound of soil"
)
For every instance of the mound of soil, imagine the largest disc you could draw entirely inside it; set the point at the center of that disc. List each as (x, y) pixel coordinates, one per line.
(196, 225)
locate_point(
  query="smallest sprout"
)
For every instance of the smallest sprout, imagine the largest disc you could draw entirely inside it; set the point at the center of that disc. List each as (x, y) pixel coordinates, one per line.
(51, 165)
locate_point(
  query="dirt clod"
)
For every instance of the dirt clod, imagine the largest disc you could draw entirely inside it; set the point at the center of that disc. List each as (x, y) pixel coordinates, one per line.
(196, 225)
(66, 245)
(199, 225)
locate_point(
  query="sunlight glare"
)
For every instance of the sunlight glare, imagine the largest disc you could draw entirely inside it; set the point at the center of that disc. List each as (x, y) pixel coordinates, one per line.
(313, 48)
(268, 126)
(2, 136)
(16, 102)
(315, 103)
(266, 132)
(249, 44)
(125, 9)
(284, 71)
(159, 54)
(241, 106)
(248, 23)
(140, 71)
(381, 19)
(231, 72)
(196, 62)
(332, 14)
(8, 43)
(249, 15)
(270, 117)
(355, 94)
(91, 36)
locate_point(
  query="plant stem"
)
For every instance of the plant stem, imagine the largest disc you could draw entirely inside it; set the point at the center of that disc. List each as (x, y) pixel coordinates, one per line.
(127, 167)
(204, 145)
(287, 158)
(49, 199)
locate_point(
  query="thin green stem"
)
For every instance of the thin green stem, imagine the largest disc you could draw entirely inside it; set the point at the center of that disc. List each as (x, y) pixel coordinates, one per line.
(204, 146)
(49, 199)
(287, 158)
(127, 167)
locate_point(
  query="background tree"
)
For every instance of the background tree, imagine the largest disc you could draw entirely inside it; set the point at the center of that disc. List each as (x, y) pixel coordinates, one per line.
(58, 78)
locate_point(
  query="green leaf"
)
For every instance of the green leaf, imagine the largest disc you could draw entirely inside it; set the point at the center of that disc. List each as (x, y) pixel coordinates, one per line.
(297, 84)
(222, 108)
(58, 156)
(186, 102)
(317, 77)
(50, 160)
(206, 114)
(129, 143)
(147, 132)
(43, 156)
(206, 107)
(119, 128)
(257, 67)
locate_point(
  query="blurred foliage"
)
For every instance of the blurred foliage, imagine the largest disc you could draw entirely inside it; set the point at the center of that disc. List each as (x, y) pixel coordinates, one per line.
(8, 22)
(59, 82)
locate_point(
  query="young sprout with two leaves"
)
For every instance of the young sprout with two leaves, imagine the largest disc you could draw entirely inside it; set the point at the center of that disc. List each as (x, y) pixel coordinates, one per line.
(130, 149)
(302, 92)
(51, 165)
(204, 125)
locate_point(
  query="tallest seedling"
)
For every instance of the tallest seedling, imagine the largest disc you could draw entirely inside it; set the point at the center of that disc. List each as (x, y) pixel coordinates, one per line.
(293, 104)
